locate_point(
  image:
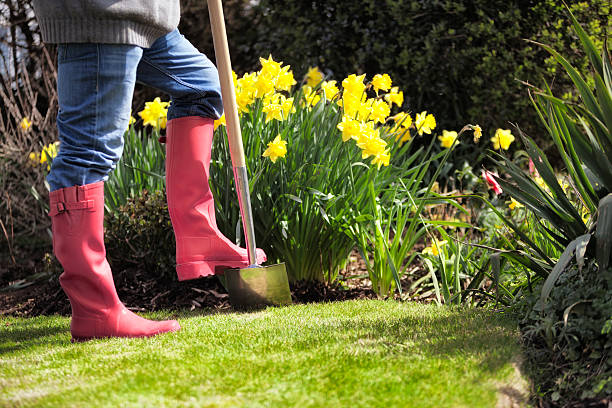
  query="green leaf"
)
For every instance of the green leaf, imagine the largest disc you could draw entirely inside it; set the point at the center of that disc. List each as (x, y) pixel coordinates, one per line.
(587, 96)
(559, 268)
(568, 309)
(458, 224)
(603, 233)
(587, 44)
(434, 278)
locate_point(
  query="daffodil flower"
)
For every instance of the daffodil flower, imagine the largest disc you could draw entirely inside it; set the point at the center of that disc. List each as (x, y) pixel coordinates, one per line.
(313, 77)
(425, 123)
(395, 96)
(276, 148)
(25, 124)
(382, 159)
(263, 86)
(448, 138)
(155, 113)
(514, 204)
(269, 67)
(502, 139)
(434, 247)
(350, 128)
(353, 85)
(330, 90)
(477, 133)
(220, 122)
(381, 82)
(379, 111)
(371, 144)
(285, 79)
(311, 97)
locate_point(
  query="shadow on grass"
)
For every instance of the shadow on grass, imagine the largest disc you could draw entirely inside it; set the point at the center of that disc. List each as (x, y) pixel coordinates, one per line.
(28, 333)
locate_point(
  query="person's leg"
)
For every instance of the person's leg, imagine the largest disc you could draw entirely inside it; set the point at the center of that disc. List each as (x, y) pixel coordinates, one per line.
(176, 67)
(95, 85)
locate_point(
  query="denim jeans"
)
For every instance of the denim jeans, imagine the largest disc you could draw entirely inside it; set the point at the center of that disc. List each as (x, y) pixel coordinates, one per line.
(95, 85)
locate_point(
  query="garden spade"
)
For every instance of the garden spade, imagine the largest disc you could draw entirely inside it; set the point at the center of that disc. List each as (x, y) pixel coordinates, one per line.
(256, 285)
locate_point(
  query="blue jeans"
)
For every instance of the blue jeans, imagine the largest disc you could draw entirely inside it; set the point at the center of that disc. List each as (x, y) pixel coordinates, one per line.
(95, 85)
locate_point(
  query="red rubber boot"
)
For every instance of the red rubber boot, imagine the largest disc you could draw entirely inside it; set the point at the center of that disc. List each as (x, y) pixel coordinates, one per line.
(201, 249)
(77, 215)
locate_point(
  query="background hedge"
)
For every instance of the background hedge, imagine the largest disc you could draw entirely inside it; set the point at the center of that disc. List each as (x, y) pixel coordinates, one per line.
(459, 59)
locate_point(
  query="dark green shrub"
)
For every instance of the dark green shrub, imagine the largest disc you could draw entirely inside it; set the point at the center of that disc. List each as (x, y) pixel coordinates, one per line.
(568, 342)
(458, 59)
(140, 235)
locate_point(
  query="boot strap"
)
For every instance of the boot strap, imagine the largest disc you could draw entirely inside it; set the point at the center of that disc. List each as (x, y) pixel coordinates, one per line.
(60, 207)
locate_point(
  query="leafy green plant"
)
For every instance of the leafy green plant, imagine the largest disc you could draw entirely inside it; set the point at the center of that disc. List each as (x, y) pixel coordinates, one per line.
(567, 342)
(582, 134)
(142, 167)
(289, 197)
(570, 356)
(308, 204)
(139, 235)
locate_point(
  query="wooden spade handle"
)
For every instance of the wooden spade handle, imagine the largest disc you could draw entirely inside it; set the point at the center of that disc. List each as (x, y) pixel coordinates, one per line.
(224, 66)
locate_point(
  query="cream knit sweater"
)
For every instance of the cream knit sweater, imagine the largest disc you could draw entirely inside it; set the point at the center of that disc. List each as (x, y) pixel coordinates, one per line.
(137, 22)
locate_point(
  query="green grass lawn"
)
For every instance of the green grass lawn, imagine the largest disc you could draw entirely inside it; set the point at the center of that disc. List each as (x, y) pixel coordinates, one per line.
(347, 354)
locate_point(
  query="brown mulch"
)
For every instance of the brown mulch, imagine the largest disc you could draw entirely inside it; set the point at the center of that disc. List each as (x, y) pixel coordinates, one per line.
(141, 292)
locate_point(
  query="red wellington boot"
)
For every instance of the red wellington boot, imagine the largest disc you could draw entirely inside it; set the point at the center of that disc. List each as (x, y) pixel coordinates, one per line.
(77, 216)
(201, 249)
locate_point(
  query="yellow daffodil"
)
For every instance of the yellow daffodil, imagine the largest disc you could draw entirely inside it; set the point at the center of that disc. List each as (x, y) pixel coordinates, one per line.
(287, 106)
(364, 110)
(263, 86)
(514, 204)
(276, 148)
(46, 156)
(353, 85)
(285, 79)
(34, 159)
(244, 100)
(354, 106)
(403, 121)
(434, 247)
(49, 152)
(247, 82)
(502, 139)
(131, 121)
(350, 128)
(371, 144)
(425, 123)
(379, 111)
(25, 124)
(269, 67)
(477, 133)
(220, 122)
(382, 159)
(330, 89)
(395, 96)
(273, 108)
(155, 113)
(311, 97)
(313, 77)
(448, 138)
(381, 82)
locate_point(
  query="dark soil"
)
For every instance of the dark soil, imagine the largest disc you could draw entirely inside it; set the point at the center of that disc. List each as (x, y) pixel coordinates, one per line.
(43, 295)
